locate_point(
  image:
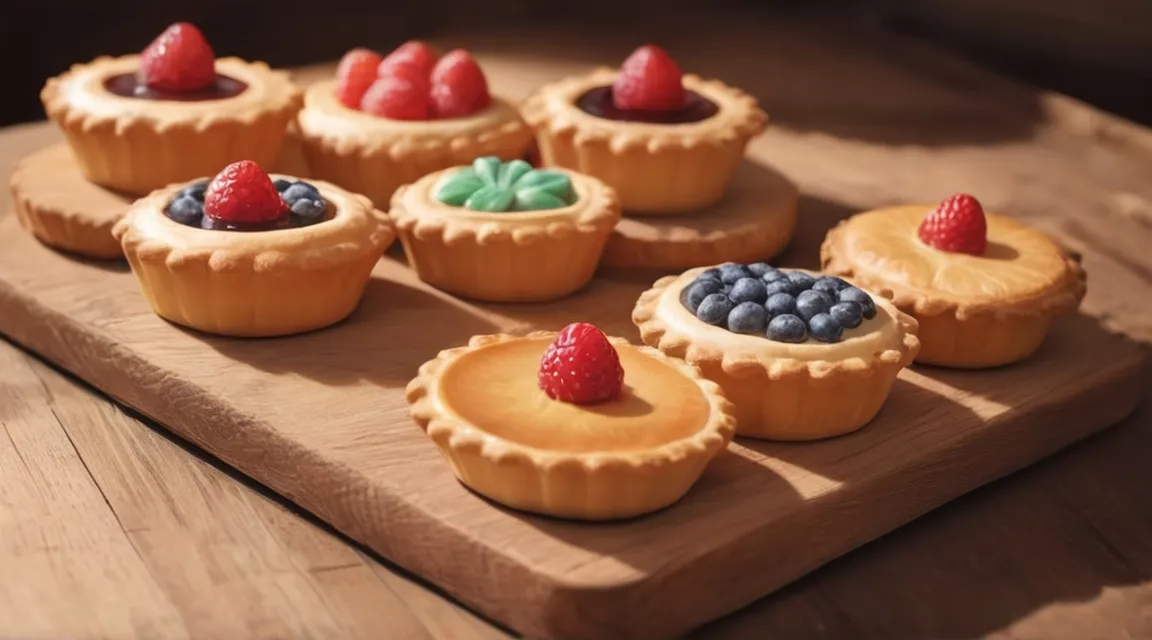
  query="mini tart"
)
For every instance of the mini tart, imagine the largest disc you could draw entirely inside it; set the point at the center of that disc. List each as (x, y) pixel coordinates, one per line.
(524, 256)
(973, 311)
(369, 154)
(784, 391)
(507, 440)
(656, 168)
(255, 283)
(137, 145)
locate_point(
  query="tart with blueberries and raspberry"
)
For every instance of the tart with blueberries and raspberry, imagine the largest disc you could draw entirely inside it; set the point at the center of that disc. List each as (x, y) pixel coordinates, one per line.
(385, 121)
(571, 424)
(246, 254)
(669, 143)
(984, 288)
(801, 355)
(503, 231)
(175, 112)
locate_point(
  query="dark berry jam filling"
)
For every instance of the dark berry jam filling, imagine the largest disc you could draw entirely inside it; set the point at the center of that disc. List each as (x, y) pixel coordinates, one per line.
(598, 102)
(128, 85)
(778, 304)
(305, 207)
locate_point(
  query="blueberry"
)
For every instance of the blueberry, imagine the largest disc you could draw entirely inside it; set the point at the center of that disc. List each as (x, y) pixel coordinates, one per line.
(731, 272)
(787, 328)
(282, 184)
(195, 191)
(714, 309)
(186, 210)
(830, 285)
(772, 275)
(801, 281)
(809, 303)
(697, 291)
(781, 303)
(852, 294)
(747, 317)
(778, 286)
(299, 190)
(308, 209)
(825, 328)
(848, 314)
(749, 290)
(713, 273)
(758, 269)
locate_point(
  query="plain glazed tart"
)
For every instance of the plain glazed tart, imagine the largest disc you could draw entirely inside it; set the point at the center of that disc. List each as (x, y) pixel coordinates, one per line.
(137, 144)
(789, 378)
(657, 168)
(368, 152)
(502, 255)
(973, 310)
(509, 440)
(253, 283)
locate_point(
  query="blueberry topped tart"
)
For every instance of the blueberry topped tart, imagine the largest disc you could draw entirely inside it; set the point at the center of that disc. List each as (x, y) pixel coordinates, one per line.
(504, 231)
(634, 126)
(802, 355)
(299, 259)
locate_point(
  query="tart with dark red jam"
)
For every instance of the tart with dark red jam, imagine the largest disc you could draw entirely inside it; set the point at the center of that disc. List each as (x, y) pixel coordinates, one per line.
(138, 123)
(634, 127)
(209, 204)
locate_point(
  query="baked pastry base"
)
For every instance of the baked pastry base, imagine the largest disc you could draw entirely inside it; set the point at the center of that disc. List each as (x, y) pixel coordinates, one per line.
(579, 476)
(57, 204)
(754, 221)
(255, 284)
(291, 160)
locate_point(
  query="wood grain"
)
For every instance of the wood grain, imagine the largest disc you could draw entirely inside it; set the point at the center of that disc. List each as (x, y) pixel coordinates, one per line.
(1073, 129)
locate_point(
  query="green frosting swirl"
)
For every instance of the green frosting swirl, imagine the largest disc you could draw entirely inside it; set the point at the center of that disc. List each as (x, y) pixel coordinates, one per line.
(496, 187)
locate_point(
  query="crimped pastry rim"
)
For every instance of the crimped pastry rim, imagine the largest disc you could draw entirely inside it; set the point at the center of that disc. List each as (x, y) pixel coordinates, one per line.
(371, 135)
(1062, 298)
(552, 108)
(269, 92)
(656, 332)
(459, 436)
(355, 229)
(416, 211)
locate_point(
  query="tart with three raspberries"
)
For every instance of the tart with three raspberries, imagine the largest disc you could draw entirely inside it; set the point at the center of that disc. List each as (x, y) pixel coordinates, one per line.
(386, 121)
(571, 424)
(801, 355)
(668, 143)
(503, 231)
(984, 288)
(250, 255)
(175, 112)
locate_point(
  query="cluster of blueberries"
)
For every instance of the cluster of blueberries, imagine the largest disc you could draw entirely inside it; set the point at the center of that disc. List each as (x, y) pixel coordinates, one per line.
(786, 306)
(305, 204)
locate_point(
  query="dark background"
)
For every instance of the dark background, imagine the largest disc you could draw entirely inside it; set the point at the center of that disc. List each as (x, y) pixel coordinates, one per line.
(1097, 50)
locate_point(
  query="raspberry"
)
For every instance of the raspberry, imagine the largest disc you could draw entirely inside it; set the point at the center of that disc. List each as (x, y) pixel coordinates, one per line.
(957, 225)
(649, 80)
(414, 53)
(458, 86)
(180, 59)
(355, 73)
(396, 98)
(410, 72)
(581, 366)
(243, 193)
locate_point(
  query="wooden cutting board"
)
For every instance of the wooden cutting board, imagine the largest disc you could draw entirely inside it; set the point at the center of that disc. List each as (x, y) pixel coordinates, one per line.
(321, 419)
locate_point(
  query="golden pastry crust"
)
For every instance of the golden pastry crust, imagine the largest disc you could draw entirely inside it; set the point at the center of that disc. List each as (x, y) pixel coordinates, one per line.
(55, 203)
(784, 391)
(1024, 271)
(136, 145)
(600, 485)
(374, 155)
(505, 257)
(252, 284)
(635, 158)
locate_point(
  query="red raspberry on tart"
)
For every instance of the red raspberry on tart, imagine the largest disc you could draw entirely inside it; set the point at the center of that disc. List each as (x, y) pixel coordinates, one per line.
(581, 366)
(634, 126)
(173, 113)
(413, 113)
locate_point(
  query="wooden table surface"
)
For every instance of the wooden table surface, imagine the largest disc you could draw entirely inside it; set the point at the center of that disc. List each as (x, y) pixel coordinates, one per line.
(109, 528)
